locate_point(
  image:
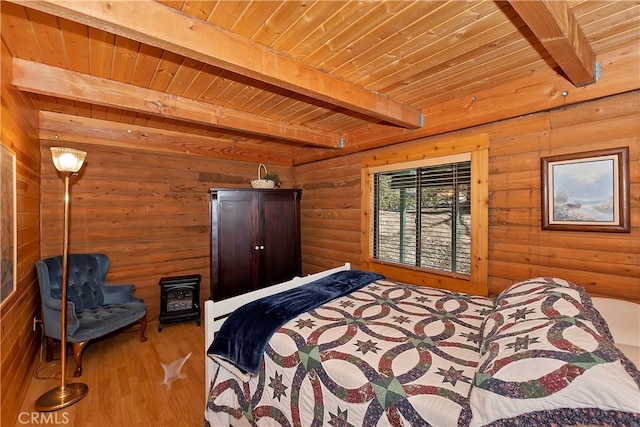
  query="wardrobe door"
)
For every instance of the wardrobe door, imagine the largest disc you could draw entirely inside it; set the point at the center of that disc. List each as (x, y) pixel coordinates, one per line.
(279, 231)
(234, 253)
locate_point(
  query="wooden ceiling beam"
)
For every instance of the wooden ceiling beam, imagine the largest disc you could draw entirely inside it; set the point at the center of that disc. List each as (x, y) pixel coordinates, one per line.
(157, 25)
(64, 127)
(554, 24)
(532, 93)
(47, 80)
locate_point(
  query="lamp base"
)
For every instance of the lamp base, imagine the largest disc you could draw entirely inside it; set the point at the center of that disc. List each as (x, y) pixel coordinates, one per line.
(57, 398)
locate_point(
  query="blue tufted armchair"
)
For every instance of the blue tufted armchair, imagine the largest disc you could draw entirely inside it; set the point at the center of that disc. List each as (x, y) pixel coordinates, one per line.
(94, 308)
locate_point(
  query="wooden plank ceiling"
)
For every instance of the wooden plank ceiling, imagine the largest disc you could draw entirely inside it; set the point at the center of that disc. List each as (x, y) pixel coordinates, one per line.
(281, 81)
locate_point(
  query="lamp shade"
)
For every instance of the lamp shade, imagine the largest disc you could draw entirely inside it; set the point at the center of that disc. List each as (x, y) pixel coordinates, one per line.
(67, 159)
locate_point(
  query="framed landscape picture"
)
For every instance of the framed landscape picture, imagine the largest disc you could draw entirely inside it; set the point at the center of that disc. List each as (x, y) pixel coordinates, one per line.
(587, 191)
(8, 242)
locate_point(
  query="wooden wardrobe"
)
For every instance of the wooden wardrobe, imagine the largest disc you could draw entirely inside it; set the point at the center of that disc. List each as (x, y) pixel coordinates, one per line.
(255, 239)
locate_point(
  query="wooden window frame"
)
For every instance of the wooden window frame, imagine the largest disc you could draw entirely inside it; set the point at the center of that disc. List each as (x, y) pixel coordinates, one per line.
(477, 146)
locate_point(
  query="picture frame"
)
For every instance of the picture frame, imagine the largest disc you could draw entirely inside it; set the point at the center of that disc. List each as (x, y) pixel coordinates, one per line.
(8, 224)
(586, 191)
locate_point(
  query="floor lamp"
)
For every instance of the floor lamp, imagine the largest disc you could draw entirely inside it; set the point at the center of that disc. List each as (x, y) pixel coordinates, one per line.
(68, 161)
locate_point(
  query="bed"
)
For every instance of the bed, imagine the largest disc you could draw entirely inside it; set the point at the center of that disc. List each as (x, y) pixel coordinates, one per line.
(379, 352)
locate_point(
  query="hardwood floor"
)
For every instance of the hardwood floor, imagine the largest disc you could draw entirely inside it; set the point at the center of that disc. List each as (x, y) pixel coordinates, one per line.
(125, 379)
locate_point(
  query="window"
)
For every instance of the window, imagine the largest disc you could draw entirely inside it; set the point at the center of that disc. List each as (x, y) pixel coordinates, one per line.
(422, 217)
(425, 213)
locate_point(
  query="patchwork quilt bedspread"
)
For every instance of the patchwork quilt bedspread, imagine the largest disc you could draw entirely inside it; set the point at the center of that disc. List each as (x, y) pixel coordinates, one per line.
(392, 354)
(387, 354)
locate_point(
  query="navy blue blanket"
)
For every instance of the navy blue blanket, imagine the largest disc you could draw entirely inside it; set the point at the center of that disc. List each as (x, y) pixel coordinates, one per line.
(244, 335)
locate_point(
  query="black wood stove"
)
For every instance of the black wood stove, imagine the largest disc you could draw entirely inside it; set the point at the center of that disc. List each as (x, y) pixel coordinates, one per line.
(179, 299)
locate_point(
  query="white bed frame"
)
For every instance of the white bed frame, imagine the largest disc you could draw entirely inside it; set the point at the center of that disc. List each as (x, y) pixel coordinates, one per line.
(216, 312)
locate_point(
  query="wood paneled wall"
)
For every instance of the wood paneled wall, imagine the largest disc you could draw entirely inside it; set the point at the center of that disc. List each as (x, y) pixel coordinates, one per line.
(605, 263)
(18, 343)
(148, 212)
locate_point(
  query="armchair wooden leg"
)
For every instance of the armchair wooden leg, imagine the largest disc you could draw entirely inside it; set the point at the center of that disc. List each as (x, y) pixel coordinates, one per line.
(77, 355)
(143, 328)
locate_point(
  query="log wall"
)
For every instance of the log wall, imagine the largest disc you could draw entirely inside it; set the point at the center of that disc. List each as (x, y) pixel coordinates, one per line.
(18, 342)
(605, 263)
(148, 212)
